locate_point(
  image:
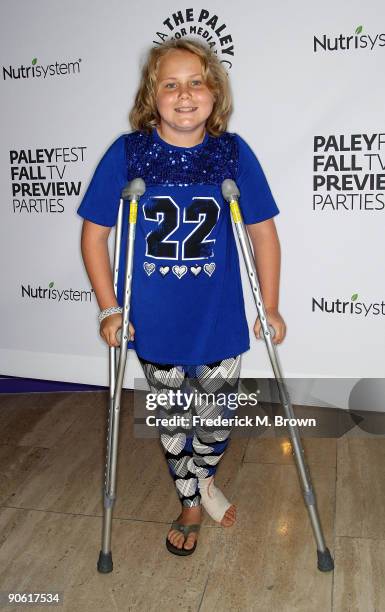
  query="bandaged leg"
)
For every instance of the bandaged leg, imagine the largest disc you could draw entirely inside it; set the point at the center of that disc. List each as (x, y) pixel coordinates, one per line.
(212, 499)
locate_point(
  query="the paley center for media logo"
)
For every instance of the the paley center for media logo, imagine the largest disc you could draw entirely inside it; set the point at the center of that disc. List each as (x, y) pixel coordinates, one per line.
(348, 42)
(35, 70)
(199, 23)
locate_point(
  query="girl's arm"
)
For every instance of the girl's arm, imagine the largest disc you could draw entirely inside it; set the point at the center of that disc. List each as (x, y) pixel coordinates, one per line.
(94, 247)
(267, 255)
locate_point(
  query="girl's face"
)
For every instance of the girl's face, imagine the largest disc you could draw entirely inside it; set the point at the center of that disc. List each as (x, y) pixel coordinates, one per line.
(183, 100)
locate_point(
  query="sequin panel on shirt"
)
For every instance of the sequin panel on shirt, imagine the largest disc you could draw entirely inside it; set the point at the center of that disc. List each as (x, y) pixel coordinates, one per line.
(155, 163)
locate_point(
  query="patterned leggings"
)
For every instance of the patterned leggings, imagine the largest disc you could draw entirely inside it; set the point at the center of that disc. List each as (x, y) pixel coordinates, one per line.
(194, 449)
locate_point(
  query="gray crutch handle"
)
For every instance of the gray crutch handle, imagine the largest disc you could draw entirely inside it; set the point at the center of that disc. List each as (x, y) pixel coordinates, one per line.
(132, 192)
(272, 332)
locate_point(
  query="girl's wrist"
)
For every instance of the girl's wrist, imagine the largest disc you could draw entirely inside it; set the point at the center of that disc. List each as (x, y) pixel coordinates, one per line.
(271, 308)
(109, 311)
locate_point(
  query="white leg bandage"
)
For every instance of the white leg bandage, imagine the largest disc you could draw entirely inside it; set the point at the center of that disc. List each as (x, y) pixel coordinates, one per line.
(213, 500)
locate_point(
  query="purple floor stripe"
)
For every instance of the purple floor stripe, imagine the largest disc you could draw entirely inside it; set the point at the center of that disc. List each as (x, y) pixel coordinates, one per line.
(14, 384)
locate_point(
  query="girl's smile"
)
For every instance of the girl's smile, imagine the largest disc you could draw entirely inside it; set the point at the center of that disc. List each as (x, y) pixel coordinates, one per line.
(183, 100)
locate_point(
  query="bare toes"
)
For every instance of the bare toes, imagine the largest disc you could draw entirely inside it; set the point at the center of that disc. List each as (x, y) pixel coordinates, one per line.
(189, 543)
(175, 537)
(229, 517)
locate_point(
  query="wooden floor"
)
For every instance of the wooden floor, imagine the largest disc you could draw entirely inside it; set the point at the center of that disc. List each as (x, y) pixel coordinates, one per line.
(52, 456)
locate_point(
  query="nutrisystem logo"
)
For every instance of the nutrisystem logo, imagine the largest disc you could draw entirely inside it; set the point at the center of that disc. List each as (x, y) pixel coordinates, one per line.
(348, 307)
(37, 292)
(39, 71)
(201, 24)
(345, 42)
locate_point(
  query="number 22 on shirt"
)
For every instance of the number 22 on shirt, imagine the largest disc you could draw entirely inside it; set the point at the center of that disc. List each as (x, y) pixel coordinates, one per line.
(203, 213)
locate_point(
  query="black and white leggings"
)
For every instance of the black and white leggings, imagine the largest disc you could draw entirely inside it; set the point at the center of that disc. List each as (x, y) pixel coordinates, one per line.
(193, 448)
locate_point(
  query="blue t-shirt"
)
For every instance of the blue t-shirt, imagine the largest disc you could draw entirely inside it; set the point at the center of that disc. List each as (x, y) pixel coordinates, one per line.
(186, 303)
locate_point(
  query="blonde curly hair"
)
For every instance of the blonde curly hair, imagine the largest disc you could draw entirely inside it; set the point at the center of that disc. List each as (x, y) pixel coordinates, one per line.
(144, 114)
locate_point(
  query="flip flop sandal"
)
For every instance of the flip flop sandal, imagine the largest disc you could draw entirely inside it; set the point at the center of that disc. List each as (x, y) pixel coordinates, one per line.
(185, 529)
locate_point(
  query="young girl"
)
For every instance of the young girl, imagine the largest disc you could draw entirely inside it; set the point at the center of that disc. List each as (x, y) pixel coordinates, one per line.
(187, 312)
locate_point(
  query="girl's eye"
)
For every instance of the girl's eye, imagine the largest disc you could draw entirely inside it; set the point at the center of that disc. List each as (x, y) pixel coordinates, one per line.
(197, 82)
(170, 85)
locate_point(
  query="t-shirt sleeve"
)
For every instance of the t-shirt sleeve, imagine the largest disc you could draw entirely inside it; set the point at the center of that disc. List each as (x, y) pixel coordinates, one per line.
(256, 200)
(100, 203)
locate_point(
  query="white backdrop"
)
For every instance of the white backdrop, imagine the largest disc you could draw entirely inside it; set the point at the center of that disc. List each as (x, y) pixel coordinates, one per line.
(288, 94)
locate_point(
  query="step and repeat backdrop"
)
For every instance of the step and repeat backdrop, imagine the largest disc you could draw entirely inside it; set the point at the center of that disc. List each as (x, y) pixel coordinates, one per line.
(308, 98)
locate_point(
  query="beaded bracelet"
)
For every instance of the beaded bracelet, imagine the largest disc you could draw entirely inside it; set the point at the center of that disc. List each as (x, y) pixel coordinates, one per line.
(109, 311)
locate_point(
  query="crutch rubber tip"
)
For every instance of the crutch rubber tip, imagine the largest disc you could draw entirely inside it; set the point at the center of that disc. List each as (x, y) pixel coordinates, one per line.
(325, 560)
(105, 564)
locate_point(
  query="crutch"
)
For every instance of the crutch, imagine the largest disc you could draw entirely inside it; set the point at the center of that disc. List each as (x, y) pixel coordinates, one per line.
(131, 192)
(231, 194)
